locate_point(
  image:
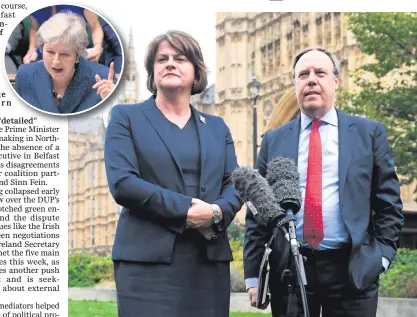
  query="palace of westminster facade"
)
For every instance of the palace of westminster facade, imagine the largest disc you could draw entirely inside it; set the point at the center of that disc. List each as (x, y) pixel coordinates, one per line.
(247, 44)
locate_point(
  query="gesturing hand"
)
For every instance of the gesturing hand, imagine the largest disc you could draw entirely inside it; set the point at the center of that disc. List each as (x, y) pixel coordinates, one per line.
(105, 86)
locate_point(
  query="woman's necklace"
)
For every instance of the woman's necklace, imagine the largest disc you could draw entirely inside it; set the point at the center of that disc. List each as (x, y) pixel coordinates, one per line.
(56, 95)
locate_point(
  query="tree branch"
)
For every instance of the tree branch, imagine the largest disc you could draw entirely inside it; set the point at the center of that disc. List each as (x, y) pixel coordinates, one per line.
(402, 46)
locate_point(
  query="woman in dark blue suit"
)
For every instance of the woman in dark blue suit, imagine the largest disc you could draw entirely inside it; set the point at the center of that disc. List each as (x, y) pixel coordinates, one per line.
(64, 82)
(169, 166)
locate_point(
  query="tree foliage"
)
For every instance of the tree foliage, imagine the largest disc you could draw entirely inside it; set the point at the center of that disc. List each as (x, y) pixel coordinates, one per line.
(401, 279)
(85, 270)
(236, 232)
(388, 86)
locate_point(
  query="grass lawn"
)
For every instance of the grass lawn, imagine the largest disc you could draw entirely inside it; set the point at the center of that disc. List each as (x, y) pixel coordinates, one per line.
(109, 309)
(91, 309)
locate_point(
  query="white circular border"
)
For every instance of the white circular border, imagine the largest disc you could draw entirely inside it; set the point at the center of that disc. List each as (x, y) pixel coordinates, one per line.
(99, 103)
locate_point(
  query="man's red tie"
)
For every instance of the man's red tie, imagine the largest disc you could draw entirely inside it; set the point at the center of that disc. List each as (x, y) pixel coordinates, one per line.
(313, 218)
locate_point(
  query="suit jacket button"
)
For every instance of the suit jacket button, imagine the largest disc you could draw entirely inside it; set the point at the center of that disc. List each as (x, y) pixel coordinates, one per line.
(203, 188)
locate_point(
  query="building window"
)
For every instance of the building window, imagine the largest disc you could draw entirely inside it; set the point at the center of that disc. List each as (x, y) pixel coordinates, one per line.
(93, 176)
(297, 35)
(253, 61)
(73, 183)
(277, 53)
(319, 20)
(336, 18)
(93, 207)
(305, 35)
(290, 47)
(72, 212)
(328, 29)
(93, 236)
(270, 58)
(86, 177)
(72, 240)
(264, 57)
(267, 111)
(319, 31)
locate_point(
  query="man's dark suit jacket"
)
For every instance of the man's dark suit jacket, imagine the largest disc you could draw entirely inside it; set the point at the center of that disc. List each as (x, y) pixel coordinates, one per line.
(145, 177)
(369, 194)
(34, 85)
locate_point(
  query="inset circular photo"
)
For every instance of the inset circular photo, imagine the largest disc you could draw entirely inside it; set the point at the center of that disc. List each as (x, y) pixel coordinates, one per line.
(64, 59)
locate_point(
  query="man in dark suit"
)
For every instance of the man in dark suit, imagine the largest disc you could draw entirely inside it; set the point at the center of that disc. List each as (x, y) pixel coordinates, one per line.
(351, 214)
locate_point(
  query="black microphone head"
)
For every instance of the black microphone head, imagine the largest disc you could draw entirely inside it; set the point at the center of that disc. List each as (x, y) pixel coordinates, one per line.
(282, 175)
(282, 168)
(287, 194)
(251, 186)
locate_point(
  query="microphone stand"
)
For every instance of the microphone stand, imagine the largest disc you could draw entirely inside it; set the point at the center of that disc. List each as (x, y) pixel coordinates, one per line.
(299, 262)
(297, 257)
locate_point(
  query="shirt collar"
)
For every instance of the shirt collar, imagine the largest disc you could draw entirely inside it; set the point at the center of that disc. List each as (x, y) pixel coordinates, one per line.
(330, 118)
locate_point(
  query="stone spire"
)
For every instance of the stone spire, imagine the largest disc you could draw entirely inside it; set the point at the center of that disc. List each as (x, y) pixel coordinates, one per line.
(129, 91)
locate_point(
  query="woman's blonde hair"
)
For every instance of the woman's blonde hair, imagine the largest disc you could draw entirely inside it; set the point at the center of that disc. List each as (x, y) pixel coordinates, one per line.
(64, 27)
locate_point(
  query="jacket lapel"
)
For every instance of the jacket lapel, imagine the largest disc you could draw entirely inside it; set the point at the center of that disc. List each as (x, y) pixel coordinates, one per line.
(78, 89)
(43, 86)
(291, 137)
(200, 122)
(347, 137)
(159, 123)
(74, 95)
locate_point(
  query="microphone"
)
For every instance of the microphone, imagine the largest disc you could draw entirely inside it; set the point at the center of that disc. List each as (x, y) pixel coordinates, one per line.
(254, 190)
(282, 175)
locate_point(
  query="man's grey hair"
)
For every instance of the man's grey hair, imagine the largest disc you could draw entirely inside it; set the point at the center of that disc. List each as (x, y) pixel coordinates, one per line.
(64, 28)
(335, 61)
